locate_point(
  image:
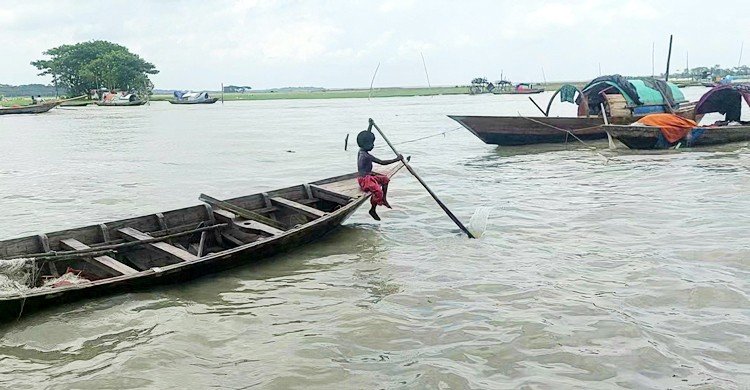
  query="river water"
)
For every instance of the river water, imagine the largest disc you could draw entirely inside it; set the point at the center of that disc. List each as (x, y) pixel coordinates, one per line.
(597, 270)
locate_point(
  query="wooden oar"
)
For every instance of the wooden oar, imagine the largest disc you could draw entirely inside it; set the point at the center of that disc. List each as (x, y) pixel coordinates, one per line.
(406, 164)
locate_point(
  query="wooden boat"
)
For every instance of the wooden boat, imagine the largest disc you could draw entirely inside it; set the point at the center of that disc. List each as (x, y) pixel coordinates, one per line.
(726, 99)
(206, 101)
(76, 103)
(30, 109)
(649, 137)
(518, 89)
(621, 107)
(121, 103)
(172, 246)
(183, 97)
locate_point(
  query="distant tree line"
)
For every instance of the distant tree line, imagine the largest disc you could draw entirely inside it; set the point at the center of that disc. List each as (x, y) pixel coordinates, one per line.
(29, 90)
(96, 64)
(236, 89)
(703, 72)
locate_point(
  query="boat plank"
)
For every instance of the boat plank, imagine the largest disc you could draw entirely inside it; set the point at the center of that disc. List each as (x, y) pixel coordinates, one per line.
(244, 213)
(290, 204)
(171, 250)
(104, 261)
(255, 226)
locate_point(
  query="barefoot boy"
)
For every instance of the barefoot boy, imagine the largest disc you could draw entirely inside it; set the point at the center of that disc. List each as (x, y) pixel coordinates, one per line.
(369, 181)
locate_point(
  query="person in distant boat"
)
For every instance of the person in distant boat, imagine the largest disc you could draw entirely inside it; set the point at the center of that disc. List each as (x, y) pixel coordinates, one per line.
(33, 99)
(39, 99)
(369, 181)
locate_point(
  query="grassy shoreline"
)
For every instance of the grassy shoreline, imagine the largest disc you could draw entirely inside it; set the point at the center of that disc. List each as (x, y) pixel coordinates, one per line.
(352, 93)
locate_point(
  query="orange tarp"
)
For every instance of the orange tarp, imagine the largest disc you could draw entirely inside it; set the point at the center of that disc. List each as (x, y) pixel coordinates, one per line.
(672, 126)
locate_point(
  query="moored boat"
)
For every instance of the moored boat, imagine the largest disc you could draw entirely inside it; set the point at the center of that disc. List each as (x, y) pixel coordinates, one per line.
(623, 100)
(192, 98)
(137, 102)
(76, 103)
(30, 109)
(176, 245)
(518, 89)
(664, 131)
(652, 137)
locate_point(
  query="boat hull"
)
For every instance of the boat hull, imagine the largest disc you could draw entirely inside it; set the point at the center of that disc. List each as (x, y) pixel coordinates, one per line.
(517, 130)
(122, 104)
(650, 138)
(32, 109)
(207, 101)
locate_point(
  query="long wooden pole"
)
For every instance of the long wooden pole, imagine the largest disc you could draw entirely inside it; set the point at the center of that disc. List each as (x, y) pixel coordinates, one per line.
(440, 203)
(669, 57)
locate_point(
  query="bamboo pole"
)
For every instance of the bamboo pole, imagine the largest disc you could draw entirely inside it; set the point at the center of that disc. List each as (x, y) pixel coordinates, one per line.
(669, 57)
(406, 164)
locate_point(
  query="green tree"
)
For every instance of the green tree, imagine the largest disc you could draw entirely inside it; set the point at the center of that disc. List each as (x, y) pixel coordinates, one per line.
(96, 64)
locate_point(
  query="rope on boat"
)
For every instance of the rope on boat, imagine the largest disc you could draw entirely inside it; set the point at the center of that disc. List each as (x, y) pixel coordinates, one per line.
(592, 148)
(443, 133)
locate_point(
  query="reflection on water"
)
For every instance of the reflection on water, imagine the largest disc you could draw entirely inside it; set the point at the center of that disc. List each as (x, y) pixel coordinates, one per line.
(625, 271)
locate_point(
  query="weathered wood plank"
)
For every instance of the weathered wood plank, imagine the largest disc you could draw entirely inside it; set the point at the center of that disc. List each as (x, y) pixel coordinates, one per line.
(171, 250)
(104, 261)
(253, 226)
(290, 204)
(330, 196)
(247, 214)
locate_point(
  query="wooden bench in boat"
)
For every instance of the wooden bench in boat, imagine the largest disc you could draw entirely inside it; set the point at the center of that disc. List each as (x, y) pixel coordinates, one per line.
(299, 207)
(103, 261)
(163, 247)
(249, 224)
(244, 213)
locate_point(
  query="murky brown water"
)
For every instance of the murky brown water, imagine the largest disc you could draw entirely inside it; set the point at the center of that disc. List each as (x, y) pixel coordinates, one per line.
(630, 273)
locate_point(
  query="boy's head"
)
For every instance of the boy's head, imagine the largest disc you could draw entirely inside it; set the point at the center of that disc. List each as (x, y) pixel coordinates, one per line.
(366, 140)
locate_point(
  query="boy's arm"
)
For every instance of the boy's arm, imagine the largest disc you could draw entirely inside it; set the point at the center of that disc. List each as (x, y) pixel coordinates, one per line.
(387, 162)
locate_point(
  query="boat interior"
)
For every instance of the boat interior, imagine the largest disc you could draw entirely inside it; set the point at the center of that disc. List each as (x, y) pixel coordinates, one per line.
(128, 246)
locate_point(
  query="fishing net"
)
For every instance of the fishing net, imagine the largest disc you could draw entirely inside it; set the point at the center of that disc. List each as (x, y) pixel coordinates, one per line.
(15, 276)
(69, 278)
(478, 221)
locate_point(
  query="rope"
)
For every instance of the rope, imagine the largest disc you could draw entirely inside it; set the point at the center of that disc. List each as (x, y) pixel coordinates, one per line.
(592, 148)
(429, 136)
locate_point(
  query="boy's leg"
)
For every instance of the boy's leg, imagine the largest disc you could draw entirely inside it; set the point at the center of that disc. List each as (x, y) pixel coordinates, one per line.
(383, 181)
(373, 213)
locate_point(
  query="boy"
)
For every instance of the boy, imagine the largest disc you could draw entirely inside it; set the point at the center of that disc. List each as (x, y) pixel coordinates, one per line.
(369, 181)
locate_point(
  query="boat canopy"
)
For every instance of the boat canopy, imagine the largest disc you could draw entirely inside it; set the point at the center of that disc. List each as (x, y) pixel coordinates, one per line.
(191, 96)
(646, 91)
(725, 99)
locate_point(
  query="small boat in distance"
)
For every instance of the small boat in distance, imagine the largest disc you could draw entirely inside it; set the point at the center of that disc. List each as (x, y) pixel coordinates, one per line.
(506, 88)
(30, 109)
(192, 98)
(623, 100)
(172, 246)
(122, 99)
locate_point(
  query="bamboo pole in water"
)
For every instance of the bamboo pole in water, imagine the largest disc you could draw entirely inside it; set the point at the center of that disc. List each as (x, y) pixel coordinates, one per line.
(440, 203)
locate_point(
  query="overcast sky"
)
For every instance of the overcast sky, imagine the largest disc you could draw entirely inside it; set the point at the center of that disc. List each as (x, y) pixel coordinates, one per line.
(265, 44)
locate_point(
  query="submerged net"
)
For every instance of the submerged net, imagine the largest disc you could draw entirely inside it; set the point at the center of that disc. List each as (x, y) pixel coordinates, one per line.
(16, 276)
(478, 221)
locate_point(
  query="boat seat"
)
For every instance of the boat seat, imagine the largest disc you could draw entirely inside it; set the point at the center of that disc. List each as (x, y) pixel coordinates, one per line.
(328, 195)
(244, 213)
(163, 247)
(299, 207)
(246, 224)
(104, 261)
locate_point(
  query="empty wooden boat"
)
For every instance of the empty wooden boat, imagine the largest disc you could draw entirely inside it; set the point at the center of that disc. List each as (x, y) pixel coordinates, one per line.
(30, 109)
(171, 246)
